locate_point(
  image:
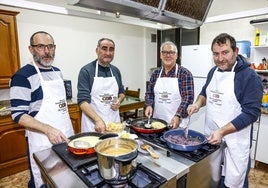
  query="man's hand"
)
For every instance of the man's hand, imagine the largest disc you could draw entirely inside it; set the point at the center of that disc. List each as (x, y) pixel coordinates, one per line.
(55, 136)
(192, 108)
(100, 126)
(115, 105)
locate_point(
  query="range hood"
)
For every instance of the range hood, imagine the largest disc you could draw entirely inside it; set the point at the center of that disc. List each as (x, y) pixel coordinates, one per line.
(187, 14)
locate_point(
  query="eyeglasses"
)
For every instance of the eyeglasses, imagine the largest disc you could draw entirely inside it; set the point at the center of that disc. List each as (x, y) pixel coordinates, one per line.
(41, 47)
(165, 53)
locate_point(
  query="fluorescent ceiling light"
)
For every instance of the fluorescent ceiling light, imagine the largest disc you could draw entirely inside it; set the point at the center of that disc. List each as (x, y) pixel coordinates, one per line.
(232, 16)
(34, 6)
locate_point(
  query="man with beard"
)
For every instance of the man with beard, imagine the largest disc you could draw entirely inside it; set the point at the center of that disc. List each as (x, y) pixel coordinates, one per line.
(38, 101)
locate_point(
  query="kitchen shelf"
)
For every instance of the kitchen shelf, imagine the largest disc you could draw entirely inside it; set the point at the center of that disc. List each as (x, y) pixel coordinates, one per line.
(259, 47)
(262, 71)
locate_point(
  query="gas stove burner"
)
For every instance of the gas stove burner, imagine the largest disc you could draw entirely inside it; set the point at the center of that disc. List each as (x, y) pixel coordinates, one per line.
(143, 177)
(196, 155)
(125, 185)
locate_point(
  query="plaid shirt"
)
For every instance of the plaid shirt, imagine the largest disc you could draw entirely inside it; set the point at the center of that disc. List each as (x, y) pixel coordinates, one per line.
(186, 87)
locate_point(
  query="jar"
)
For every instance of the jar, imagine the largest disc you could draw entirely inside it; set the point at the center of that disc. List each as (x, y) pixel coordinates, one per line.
(265, 98)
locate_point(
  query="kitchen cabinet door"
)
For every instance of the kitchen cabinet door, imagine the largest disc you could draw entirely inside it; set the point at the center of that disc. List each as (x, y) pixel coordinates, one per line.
(9, 51)
(13, 155)
(262, 152)
(75, 116)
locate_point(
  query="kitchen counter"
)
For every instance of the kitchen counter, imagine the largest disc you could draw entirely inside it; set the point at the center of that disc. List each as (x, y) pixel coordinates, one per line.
(5, 106)
(58, 174)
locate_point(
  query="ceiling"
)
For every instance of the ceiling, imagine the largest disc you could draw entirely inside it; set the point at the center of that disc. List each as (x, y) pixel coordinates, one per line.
(220, 10)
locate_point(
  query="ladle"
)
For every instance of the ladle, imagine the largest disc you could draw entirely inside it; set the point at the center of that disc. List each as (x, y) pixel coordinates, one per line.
(81, 144)
(185, 131)
(148, 124)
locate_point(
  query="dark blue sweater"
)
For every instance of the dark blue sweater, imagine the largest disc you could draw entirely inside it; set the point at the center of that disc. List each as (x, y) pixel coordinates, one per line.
(248, 91)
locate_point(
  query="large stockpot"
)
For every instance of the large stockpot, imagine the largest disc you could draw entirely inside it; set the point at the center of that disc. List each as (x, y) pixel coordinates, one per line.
(116, 158)
(180, 147)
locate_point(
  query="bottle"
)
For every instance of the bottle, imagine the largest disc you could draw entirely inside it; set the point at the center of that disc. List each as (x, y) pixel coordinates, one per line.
(257, 37)
(264, 64)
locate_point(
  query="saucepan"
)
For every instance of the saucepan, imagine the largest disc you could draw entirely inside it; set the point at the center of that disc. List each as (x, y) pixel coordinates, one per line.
(84, 143)
(116, 158)
(175, 140)
(139, 125)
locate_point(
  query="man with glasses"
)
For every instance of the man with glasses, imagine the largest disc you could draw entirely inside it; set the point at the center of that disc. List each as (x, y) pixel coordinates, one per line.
(100, 89)
(170, 89)
(38, 101)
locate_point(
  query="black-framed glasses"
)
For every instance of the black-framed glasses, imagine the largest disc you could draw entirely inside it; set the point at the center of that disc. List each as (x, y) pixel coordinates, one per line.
(41, 47)
(168, 53)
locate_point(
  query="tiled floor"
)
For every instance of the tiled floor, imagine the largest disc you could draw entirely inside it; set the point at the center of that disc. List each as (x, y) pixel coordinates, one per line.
(258, 178)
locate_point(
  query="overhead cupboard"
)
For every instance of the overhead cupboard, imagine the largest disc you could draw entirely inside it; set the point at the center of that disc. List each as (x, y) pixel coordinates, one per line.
(9, 50)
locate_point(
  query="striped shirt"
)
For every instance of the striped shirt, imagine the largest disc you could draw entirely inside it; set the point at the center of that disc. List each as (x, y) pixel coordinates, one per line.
(186, 87)
(26, 93)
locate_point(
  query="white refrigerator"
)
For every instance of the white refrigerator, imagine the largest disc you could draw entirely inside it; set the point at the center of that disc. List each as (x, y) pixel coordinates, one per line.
(197, 59)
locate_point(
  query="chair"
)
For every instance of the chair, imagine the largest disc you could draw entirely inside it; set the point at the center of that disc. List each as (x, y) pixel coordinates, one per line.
(132, 113)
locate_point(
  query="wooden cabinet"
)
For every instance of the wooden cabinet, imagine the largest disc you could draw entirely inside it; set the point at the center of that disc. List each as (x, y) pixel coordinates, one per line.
(9, 50)
(13, 146)
(75, 116)
(13, 154)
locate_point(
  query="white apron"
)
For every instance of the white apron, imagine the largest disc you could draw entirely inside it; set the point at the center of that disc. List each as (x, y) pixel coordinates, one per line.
(53, 111)
(103, 92)
(167, 98)
(223, 107)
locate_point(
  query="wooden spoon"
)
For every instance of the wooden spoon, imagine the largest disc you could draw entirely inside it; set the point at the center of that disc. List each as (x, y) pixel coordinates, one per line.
(149, 149)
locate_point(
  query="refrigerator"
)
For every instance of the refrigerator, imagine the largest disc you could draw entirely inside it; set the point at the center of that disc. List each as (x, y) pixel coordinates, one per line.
(199, 60)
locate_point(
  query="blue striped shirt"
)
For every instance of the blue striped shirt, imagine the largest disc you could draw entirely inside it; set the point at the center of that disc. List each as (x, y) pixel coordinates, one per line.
(26, 93)
(186, 87)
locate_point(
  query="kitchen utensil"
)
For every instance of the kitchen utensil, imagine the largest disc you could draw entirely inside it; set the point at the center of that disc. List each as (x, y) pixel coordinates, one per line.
(79, 139)
(148, 124)
(116, 158)
(138, 125)
(150, 151)
(191, 134)
(81, 144)
(82, 151)
(185, 131)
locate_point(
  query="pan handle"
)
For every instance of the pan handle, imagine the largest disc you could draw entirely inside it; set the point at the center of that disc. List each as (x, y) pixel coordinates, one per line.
(108, 135)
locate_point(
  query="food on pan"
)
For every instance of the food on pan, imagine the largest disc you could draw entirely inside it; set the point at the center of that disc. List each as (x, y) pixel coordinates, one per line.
(181, 140)
(115, 127)
(158, 125)
(92, 140)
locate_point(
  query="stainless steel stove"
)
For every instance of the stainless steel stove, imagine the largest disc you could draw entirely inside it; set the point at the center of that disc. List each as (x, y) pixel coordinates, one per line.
(85, 166)
(200, 171)
(196, 155)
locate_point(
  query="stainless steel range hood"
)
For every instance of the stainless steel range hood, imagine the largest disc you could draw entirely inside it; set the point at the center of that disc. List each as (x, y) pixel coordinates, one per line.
(188, 14)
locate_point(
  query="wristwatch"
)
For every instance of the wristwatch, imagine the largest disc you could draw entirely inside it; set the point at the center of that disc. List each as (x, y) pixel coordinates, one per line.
(178, 115)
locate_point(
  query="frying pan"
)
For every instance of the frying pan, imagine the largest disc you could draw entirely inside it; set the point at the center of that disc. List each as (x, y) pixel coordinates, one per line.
(181, 147)
(139, 125)
(90, 150)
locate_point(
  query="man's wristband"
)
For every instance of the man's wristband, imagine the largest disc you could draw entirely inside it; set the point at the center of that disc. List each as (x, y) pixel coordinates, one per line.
(178, 115)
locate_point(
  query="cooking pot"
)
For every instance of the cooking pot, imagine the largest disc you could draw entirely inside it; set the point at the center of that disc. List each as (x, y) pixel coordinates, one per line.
(80, 146)
(139, 125)
(191, 134)
(116, 159)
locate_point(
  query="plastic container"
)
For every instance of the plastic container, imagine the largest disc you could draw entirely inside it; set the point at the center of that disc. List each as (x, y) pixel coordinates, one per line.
(257, 37)
(244, 48)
